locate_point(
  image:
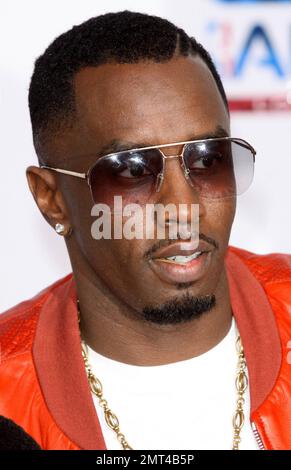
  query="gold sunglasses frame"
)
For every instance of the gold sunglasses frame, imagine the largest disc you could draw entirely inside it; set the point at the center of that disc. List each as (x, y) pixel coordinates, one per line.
(160, 176)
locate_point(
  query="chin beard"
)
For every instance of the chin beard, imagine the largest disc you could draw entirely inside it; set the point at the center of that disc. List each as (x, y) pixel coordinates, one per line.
(179, 309)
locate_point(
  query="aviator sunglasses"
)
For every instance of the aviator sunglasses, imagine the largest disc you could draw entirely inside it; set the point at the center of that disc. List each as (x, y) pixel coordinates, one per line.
(216, 168)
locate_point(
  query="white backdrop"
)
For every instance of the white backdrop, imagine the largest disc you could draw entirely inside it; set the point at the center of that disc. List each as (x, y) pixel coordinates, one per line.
(32, 255)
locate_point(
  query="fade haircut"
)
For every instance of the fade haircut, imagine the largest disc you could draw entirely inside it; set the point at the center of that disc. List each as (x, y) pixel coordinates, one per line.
(123, 37)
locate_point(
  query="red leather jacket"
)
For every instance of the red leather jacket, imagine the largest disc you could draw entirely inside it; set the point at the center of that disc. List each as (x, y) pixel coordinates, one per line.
(43, 384)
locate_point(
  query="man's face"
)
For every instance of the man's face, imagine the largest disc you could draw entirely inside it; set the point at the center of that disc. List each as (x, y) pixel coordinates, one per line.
(154, 103)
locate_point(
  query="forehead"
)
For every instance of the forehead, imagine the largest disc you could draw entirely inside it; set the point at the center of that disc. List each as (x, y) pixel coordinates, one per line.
(147, 101)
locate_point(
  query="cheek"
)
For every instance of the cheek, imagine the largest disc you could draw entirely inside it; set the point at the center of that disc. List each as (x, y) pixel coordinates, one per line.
(217, 219)
(119, 265)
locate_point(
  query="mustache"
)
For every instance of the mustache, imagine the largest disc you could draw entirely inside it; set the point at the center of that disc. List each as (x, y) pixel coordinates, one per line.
(168, 242)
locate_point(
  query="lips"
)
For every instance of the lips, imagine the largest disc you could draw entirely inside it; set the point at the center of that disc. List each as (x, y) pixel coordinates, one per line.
(181, 249)
(188, 262)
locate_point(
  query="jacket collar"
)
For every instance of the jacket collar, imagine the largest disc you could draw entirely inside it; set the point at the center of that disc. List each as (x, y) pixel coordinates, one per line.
(60, 368)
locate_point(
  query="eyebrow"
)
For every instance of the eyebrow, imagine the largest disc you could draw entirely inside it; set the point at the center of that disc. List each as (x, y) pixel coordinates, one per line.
(117, 145)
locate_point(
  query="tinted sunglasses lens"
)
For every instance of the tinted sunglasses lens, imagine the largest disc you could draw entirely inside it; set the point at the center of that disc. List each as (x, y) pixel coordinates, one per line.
(219, 168)
(132, 175)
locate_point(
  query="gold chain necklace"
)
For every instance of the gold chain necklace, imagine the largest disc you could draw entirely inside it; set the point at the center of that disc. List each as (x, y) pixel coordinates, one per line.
(241, 383)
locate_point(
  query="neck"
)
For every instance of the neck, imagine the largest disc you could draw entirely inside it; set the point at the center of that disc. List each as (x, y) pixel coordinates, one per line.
(113, 330)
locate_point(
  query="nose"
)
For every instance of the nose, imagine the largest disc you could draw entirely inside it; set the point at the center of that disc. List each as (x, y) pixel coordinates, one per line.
(175, 190)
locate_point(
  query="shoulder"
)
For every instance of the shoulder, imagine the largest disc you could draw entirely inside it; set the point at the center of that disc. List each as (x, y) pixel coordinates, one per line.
(272, 268)
(18, 324)
(273, 273)
(19, 382)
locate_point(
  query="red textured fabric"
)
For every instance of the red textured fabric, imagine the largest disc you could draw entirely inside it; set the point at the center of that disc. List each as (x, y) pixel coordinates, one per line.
(43, 382)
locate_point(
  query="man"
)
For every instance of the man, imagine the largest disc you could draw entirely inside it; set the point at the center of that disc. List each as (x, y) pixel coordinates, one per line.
(167, 327)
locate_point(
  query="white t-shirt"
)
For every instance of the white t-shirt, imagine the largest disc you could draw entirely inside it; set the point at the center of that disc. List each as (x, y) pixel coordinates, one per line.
(187, 404)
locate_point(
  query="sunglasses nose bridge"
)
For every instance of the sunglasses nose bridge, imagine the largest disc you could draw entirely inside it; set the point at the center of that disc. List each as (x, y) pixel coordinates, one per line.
(161, 176)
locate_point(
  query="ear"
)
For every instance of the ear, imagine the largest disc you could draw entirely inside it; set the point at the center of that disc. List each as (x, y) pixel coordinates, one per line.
(48, 197)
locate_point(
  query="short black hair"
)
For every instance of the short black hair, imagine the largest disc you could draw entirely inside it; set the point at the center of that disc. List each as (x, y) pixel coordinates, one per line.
(122, 37)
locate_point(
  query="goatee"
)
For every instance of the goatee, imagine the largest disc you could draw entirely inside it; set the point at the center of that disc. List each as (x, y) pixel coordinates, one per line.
(180, 309)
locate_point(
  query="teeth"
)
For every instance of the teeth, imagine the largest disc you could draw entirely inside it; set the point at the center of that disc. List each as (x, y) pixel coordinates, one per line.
(183, 259)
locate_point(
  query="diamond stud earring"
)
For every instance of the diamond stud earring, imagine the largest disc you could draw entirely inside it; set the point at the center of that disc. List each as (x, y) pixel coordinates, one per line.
(60, 229)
